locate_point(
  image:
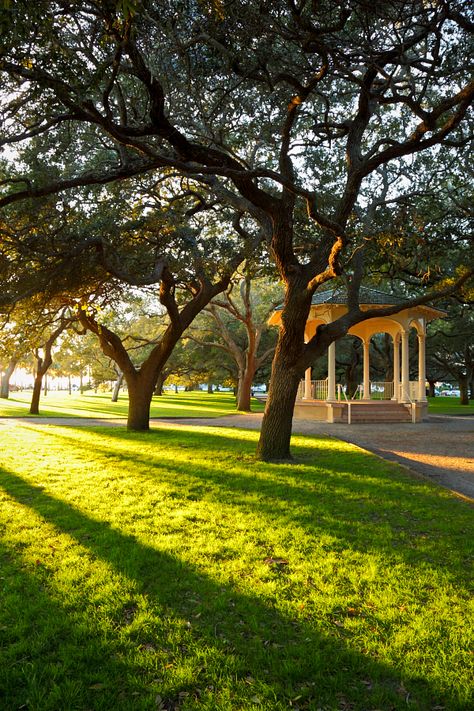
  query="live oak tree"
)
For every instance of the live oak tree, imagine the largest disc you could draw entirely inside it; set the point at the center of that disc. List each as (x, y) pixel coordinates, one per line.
(148, 235)
(33, 327)
(163, 252)
(310, 118)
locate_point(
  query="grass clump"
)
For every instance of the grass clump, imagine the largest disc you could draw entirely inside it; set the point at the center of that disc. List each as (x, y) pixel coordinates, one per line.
(170, 570)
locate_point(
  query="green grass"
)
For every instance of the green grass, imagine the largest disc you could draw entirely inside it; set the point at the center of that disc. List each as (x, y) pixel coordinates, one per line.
(449, 406)
(170, 570)
(183, 404)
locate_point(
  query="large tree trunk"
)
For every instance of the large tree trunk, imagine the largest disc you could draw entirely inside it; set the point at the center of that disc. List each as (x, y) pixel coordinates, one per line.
(287, 371)
(140, 392)
(35, 398)
(5, 384)
(277, 420)
(42, 365)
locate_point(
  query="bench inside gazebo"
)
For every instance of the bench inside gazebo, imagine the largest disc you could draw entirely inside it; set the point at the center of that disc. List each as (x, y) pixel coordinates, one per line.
(399, 400)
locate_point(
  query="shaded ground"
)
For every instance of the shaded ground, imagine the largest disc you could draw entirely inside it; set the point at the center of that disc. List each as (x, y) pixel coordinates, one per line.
(441, 449)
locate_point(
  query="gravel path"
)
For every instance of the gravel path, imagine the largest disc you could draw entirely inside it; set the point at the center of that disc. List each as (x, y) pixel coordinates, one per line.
(441, 449)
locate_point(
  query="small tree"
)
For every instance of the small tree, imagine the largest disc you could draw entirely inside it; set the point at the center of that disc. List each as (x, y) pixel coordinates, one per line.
(250, 309)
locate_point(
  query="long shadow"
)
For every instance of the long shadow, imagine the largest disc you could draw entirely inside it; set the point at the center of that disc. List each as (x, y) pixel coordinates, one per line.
(393, 512)
(50, 659)
(241, 634)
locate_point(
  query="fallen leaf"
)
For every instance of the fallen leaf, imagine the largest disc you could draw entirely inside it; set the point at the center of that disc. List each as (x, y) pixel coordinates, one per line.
(276, 561)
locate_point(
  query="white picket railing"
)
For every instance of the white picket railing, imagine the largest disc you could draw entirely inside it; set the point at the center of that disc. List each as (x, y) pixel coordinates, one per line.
(319, 390)
(379, 390)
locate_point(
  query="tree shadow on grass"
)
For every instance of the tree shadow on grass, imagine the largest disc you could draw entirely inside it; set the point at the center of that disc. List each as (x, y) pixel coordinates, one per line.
(262, 658)
(51, 657)
(364, 503)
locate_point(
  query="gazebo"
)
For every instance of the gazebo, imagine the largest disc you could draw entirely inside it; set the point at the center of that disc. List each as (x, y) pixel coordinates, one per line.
(396, 400)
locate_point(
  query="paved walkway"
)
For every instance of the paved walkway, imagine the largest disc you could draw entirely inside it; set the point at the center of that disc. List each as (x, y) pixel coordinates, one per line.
(441, 449)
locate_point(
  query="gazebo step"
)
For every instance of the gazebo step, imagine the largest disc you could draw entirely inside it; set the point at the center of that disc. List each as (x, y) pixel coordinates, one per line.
(378, 412)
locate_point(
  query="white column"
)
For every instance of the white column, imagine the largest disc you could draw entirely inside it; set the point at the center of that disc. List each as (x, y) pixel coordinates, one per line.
(366, 369)
(332, 371)
(421, 368)
(307, 384)
(405, 369)
(396, 367)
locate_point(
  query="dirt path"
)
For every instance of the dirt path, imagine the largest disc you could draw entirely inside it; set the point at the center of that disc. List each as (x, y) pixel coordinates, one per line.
(441, 449)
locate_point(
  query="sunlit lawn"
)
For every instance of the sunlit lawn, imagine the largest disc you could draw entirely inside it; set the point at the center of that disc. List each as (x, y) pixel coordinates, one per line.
(170, 570)
(182, 404)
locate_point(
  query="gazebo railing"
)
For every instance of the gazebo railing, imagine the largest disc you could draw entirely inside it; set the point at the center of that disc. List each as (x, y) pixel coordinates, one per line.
(381, 390)
(412, 394)
(319, 390)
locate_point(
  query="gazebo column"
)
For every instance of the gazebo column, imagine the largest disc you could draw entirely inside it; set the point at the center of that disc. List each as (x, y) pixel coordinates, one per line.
(396, 366)
(366, 345)
(405, 394)
(307, 384)
(332, 372)
(421, 367)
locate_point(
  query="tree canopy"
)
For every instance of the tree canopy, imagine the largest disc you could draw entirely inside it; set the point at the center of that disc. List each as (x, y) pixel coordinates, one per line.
(322, 123)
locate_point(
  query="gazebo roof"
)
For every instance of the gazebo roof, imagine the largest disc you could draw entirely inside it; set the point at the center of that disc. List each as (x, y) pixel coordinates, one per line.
(335, 299)
(372, 297)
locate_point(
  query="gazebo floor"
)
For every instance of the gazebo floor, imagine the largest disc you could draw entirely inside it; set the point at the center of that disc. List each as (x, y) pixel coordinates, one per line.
(376, 411)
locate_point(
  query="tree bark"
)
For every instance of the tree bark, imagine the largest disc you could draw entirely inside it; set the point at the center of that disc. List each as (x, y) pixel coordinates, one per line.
(244, 390)
(140, 392)
(160, 381)
(35, 398)
(5, 384)
(275, 434)
(431, 388)
(464, 389)
(117, 386)
(287, 371)
(43, 363)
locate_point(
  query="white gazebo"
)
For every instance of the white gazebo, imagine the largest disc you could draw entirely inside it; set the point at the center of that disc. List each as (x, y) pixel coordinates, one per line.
(397, 400)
